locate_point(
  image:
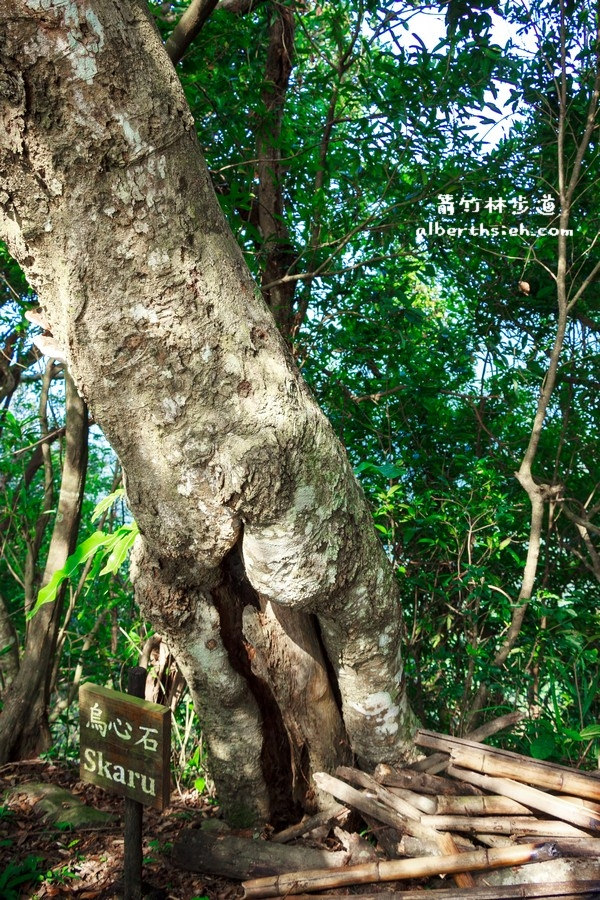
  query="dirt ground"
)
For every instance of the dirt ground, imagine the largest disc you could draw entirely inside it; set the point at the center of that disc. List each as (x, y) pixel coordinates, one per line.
(39, 860)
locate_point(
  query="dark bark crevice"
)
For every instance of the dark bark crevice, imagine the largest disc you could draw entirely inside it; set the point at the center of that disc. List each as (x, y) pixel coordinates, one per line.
(230, 598)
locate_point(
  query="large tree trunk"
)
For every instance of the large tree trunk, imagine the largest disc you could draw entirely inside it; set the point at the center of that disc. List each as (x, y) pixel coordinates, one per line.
(250, 517)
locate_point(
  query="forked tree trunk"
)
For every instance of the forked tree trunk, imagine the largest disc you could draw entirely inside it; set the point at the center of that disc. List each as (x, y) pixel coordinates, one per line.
(257, 557)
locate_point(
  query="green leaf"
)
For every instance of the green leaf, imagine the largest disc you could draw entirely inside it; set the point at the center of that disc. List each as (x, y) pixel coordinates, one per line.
(121, 549)
(543, 746)
(389, 470)
(88, 548)
(592, 731)
(107, 502)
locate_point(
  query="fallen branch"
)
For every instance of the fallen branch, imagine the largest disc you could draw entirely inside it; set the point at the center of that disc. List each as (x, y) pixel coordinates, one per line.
(309, 824)
(229, 856)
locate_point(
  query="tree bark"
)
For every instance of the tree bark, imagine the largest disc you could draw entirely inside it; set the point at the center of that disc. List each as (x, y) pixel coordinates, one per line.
(9, 645)
(245, 500)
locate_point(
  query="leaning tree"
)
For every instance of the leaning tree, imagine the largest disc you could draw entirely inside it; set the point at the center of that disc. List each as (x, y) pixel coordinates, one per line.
(257, 557)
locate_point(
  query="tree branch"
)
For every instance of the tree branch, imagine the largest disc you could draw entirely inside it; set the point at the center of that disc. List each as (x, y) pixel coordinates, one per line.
(195, 17)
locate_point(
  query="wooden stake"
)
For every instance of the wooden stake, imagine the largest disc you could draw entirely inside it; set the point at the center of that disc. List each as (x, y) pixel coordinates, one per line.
(133, 857)
(392, 870)
(531, 797)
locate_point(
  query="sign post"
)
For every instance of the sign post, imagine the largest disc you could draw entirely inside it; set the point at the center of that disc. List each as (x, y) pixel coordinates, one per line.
(125, 746)
(134, 811)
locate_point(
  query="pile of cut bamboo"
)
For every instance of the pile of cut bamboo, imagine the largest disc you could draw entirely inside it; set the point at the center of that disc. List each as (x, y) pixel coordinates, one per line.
(490, 809)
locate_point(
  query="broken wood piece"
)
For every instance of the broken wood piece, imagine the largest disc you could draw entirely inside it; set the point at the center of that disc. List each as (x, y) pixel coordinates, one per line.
(503, 825)
(309, 824)
(490, 805)
(505, 764)
(359, 849)
(448, 846)
(420, 781)
(393, 870)
(230, 856)
(569, 890)
(532, 797)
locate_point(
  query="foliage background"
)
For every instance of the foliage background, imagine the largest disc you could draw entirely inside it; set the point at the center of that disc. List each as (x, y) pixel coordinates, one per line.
(424, 351)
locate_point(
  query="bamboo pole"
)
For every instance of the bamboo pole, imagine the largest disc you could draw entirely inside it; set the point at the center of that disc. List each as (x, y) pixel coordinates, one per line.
(438, 762)
(568, 890)
(490, 805)
(391, 810)
(532, 797)
(505, 764)
(503, 825)
(397, 816)
(417, 801)
(393, 870)
(419, 781)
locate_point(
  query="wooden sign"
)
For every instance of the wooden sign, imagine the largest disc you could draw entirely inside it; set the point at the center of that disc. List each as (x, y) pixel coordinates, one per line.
(125, 745)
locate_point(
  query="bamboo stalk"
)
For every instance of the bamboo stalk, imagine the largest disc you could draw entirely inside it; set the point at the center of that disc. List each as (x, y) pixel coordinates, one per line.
(531, 797)
(417, 801)
(568, 890)
(393, 870)
(505, 764)
(581, 801)
(503, 825)
(491, 805)
(394, 815)
(438, 762)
